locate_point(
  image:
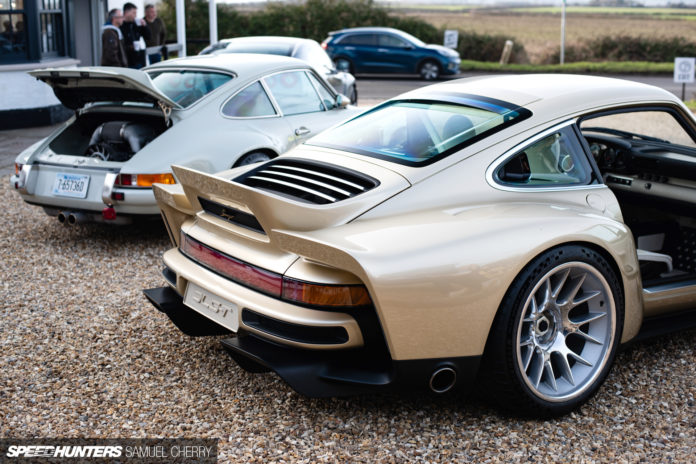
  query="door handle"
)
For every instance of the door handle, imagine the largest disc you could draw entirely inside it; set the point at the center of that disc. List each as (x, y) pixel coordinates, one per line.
(302, 131)
(383, 50)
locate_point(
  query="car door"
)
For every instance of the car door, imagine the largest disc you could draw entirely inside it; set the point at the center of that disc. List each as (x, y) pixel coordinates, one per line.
(306, 105)
(362, 49)
(395, 54)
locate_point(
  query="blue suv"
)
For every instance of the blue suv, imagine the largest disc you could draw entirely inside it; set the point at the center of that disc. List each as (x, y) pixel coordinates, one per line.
(387, 50)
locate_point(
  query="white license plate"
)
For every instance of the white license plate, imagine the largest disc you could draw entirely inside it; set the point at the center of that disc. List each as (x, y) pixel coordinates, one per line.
(212, 306)
(71, 185)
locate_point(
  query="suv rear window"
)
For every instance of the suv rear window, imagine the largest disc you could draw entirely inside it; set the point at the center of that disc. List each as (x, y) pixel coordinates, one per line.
(420, 132)
(358, 39)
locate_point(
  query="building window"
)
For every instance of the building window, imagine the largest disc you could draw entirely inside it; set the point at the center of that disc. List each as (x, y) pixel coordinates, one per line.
(13, 34)
(32, 30)
(51, 20)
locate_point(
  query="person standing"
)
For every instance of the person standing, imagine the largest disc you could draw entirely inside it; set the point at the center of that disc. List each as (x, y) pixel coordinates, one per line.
(134, 31)
(113, 53)
(158, 33)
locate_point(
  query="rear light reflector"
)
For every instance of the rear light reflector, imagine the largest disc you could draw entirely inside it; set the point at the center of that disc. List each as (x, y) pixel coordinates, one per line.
(143, 180)
(274, 284)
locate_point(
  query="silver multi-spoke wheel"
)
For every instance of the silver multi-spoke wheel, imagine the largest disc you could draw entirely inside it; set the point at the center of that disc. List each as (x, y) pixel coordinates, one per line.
(565, 334)
(429, 71)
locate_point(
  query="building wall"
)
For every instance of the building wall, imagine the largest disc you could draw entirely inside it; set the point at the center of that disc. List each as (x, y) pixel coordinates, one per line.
(139, 3)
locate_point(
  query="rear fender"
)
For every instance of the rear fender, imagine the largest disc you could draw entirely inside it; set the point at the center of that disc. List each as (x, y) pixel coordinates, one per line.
(437, 278)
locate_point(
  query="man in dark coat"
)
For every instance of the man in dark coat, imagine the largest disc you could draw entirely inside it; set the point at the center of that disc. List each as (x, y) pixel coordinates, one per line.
(158, 33)
(133, 30)
(113, 53)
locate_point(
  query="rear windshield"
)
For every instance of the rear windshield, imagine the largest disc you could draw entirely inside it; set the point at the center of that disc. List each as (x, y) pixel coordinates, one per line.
(282, 49)
(187, 87)
(420, 132)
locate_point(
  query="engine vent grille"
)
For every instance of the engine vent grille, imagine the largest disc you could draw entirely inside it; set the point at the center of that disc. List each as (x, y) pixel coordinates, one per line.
(309, 181)
(232, 215)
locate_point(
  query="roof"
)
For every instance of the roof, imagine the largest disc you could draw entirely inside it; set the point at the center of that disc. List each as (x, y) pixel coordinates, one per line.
(368, 29)
(242, 64)
(550, 95)
(268, 38)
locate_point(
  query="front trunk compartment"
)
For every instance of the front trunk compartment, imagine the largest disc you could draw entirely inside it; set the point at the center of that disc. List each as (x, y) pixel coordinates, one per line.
(109, 135)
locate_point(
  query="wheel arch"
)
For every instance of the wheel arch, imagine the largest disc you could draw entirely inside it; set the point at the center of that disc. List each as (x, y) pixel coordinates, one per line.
(269, 151)
(604, 253)
(427, 58)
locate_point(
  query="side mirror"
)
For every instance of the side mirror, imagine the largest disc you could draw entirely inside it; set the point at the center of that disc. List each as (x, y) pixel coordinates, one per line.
(342, 101)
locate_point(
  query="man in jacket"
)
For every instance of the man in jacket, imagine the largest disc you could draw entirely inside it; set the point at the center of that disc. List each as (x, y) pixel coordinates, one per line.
(113, 53)
(158, 33)
(133, 30)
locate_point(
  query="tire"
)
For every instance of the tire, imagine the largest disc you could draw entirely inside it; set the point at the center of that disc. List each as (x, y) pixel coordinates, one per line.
(344, 64)
(556, 334)
(251, 158)
(429, 70)
(353, 95)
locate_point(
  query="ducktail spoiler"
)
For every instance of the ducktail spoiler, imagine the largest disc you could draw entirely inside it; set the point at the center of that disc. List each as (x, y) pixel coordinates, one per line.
(276, 212)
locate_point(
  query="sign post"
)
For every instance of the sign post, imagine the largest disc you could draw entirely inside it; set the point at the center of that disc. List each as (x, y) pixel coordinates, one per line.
(684, 72)
(451, 38)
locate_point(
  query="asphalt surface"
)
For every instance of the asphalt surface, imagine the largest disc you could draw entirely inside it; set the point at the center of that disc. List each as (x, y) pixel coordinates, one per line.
(372, 89)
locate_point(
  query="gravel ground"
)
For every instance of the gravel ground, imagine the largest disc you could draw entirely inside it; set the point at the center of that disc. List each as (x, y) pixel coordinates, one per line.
(84, 355)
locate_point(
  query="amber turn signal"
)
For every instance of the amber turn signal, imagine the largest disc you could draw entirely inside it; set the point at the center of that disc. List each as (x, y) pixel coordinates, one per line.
(146, 180)
(325, 295)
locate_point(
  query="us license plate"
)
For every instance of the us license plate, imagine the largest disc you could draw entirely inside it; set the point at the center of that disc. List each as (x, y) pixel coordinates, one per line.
(212, 306)
(71, 185)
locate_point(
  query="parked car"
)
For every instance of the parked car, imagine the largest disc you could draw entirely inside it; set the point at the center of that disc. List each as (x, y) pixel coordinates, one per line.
(302, 49)
(130, 126)
(386, 50)
(514, 229)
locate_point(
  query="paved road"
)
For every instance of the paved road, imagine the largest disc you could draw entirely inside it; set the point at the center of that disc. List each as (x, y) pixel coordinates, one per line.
(372, 88)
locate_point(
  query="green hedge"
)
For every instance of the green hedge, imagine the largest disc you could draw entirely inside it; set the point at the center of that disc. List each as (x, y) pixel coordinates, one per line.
(314, 19)
(627, 48)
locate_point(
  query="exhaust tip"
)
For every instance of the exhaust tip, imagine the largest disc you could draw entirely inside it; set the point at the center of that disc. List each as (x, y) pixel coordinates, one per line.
(443, 380)
(62, 218)
(72, 220)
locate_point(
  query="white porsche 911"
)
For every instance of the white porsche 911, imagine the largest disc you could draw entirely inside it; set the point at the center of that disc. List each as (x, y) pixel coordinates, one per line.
(207, 112)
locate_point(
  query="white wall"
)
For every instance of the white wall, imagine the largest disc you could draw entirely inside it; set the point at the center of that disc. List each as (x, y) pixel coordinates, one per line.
(21, 91)
(139, 3)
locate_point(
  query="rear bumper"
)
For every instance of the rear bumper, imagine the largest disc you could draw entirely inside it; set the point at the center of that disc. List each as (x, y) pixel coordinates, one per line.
(35, 185)
(317, 373)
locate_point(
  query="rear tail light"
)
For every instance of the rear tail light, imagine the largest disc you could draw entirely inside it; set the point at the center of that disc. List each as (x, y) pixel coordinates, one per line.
(18, 168)
(325, 44)
(143, 180)
(274, 284)
(325, 295)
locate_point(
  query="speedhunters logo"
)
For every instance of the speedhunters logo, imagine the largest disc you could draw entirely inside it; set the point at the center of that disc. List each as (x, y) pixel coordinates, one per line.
(109, 450)
(37, 451)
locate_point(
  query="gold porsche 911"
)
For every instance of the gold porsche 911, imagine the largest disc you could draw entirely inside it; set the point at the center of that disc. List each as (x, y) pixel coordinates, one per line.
(512, 230)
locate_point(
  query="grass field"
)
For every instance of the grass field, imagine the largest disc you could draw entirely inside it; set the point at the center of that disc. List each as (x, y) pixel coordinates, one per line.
(539, 29)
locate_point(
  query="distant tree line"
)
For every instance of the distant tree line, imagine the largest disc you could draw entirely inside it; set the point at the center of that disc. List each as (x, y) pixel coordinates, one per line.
(314, 19)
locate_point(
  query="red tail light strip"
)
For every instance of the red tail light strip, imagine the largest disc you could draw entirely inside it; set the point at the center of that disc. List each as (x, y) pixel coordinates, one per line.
(274, 284)
(234, 269)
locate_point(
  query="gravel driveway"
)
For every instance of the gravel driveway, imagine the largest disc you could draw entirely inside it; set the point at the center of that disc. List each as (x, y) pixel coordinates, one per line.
(84, 355)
